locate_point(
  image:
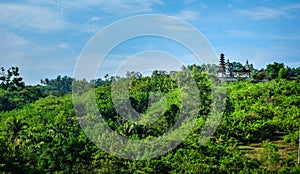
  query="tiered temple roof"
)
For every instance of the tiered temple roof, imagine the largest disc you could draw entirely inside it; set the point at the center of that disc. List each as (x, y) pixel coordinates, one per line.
(227, 73)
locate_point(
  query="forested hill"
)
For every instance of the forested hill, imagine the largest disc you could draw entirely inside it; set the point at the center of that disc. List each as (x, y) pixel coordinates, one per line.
(259, 130)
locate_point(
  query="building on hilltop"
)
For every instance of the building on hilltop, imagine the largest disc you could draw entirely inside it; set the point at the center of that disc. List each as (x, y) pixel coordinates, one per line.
(245, 72)
(228, 73)
(221, 70)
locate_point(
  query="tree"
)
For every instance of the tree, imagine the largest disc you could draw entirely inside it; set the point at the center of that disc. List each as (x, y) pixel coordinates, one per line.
(283, 73)
(210, 68)
(100, 81)
(236, 65)
(196, 68)
(294, 72)
(273, 69)
(63, 84)
(10, 79)
(260, 75)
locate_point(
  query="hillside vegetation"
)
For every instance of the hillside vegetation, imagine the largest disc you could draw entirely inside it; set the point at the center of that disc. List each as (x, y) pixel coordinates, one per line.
(40, 132)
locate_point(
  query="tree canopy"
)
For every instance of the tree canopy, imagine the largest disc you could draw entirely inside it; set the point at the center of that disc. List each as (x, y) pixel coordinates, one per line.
(10, 79)
(40, 127)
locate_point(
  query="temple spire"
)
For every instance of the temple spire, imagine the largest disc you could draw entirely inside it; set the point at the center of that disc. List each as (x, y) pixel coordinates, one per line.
(221, 69)
(227, 69)
(247, 67)
(222, 61)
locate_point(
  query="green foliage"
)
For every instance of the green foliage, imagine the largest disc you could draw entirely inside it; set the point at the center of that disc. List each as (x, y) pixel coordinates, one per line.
(273, 69)
(100, 82)
(10, 79)
(278, 70)
(270, 153)
(10, 100)
(261, 109)
(45, 137)
(283, 73)
(39, 133)
(58, 86)
(256, 77)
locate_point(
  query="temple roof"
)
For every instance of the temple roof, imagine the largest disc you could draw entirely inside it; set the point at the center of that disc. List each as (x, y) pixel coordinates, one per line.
(242, 70)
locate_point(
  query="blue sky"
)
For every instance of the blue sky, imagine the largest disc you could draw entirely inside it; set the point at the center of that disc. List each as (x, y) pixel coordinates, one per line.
(45, 38)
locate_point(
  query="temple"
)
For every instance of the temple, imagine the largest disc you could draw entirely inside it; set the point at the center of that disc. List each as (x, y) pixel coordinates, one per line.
(227, 73)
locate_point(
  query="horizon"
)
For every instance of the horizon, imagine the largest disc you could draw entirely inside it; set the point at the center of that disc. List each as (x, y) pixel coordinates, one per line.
(147, 74)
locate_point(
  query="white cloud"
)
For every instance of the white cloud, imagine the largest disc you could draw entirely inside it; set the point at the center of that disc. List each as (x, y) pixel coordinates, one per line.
(177, 28)
(188, 1)
(187, 15)
(241, 34)
(284, 37)
(35, 61)
(34, 17)
(12, 48)
(129, 7)
(94, 19)
(61, 45)
(203, 6)
(52, 15)
(114, 7)
(261, 13)
(291, 7)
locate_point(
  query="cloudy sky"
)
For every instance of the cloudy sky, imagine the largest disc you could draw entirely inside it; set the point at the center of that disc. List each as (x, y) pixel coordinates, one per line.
(45, 38)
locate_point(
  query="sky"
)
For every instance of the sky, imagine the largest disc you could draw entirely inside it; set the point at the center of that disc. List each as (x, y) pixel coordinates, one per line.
(46, 38)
